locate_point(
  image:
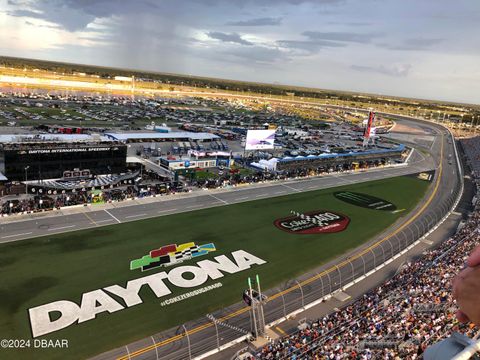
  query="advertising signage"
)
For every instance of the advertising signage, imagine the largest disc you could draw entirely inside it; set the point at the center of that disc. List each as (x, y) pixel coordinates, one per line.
(314, 222)
(260, 139)
(67, 150)
(60, 314)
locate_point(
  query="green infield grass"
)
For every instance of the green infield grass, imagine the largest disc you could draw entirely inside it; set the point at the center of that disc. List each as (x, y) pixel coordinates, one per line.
(62, 267)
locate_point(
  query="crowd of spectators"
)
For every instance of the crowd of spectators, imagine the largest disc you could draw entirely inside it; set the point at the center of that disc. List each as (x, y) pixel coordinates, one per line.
(83, 197)
(16, 204)
(400, 318)
(471, 147)
(232, 178)
(224, 178)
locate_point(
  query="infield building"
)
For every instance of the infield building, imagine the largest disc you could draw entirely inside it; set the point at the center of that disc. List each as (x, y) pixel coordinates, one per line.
(55, 156)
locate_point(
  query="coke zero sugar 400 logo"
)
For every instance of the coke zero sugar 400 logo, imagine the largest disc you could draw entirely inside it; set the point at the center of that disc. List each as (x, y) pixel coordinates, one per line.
(313, 222)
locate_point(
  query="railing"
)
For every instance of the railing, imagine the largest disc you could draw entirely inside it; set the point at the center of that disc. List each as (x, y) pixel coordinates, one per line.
(297, 295)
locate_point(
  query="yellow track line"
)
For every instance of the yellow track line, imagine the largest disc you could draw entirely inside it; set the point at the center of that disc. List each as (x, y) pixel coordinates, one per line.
(280, 330)
(307, 281)
(90, 218)
(373, 246)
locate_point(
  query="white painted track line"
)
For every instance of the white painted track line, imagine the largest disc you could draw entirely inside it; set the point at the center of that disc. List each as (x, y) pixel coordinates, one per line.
(9, 236)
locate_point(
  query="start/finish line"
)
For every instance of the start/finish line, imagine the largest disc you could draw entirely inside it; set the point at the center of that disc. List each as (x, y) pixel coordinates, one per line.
(99, 301)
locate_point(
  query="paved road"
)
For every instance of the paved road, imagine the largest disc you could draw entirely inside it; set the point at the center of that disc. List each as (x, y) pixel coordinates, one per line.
(288, 297)
(17, 228)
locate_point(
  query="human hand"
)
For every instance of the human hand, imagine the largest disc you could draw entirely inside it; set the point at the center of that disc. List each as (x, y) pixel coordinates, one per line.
(474, 258)
(466, 290)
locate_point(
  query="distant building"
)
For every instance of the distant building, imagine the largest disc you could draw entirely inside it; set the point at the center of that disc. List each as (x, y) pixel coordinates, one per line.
(197, 160)
(177, 163)
(123, 78)
(132, 137)
(49, 156)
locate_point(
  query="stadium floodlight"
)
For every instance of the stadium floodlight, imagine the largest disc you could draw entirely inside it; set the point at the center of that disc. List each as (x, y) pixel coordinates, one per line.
(456, 347)
(26, 186)
(254, 327)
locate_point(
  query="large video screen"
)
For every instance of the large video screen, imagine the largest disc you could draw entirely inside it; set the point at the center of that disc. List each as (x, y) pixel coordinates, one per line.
(260, 139)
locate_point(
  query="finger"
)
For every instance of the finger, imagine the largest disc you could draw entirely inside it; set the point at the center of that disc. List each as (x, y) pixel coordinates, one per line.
(474, 258)
(458, 279)
(454, 287)
(463, 274)
(462, 317)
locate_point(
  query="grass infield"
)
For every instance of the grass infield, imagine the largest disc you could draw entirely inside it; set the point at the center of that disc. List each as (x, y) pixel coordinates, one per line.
(62, 267)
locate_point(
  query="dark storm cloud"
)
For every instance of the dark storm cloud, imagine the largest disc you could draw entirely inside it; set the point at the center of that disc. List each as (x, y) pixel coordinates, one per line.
(257, 54)
(64, 18)
(26, 13)
(351, 23)
(42, 25)
(266, 21)
(229, 38)
(74, 15)
(315, 41)
(307, 46)
(414, 44)
(340, 36)
(396, 70)
(268, 2)
(15, 2)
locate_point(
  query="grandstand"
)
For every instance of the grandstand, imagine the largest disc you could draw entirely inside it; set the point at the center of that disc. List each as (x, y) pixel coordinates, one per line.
(371, 157)
(100, 181)
(48, 156)
(471, 147)
(403, 316)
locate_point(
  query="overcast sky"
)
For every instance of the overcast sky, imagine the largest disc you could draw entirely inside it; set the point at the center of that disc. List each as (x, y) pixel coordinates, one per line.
(416, 48)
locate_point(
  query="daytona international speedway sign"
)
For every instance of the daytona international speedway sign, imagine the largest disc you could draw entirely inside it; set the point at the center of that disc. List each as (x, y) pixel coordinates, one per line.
(67, 313)
(313, 222)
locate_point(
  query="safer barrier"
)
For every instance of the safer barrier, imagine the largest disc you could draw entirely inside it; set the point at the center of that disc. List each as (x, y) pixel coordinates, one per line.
(300, 294)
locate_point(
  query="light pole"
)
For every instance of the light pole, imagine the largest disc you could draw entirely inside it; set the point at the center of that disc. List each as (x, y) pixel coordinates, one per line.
(26, 186)
(188, 341)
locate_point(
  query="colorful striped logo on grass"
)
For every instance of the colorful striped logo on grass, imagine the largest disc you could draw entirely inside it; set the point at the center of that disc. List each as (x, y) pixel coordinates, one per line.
(171, 255)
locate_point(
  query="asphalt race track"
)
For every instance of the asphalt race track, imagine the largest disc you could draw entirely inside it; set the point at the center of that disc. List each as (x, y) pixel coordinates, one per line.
(14, 229)
(172, 344)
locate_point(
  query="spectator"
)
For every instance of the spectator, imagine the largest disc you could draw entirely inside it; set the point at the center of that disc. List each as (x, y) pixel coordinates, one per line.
(466, 290)
(407, 313)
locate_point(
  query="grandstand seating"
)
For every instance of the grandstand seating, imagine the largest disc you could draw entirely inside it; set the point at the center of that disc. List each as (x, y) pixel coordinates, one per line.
(471, 147)
(404, 315)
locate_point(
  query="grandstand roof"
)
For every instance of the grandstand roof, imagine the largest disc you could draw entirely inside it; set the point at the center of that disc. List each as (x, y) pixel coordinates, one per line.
(97, 182)
(401, 147)
(161, 136)
(24, 138)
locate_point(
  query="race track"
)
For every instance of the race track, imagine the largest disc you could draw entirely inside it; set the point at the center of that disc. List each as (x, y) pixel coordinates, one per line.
(172, 344)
